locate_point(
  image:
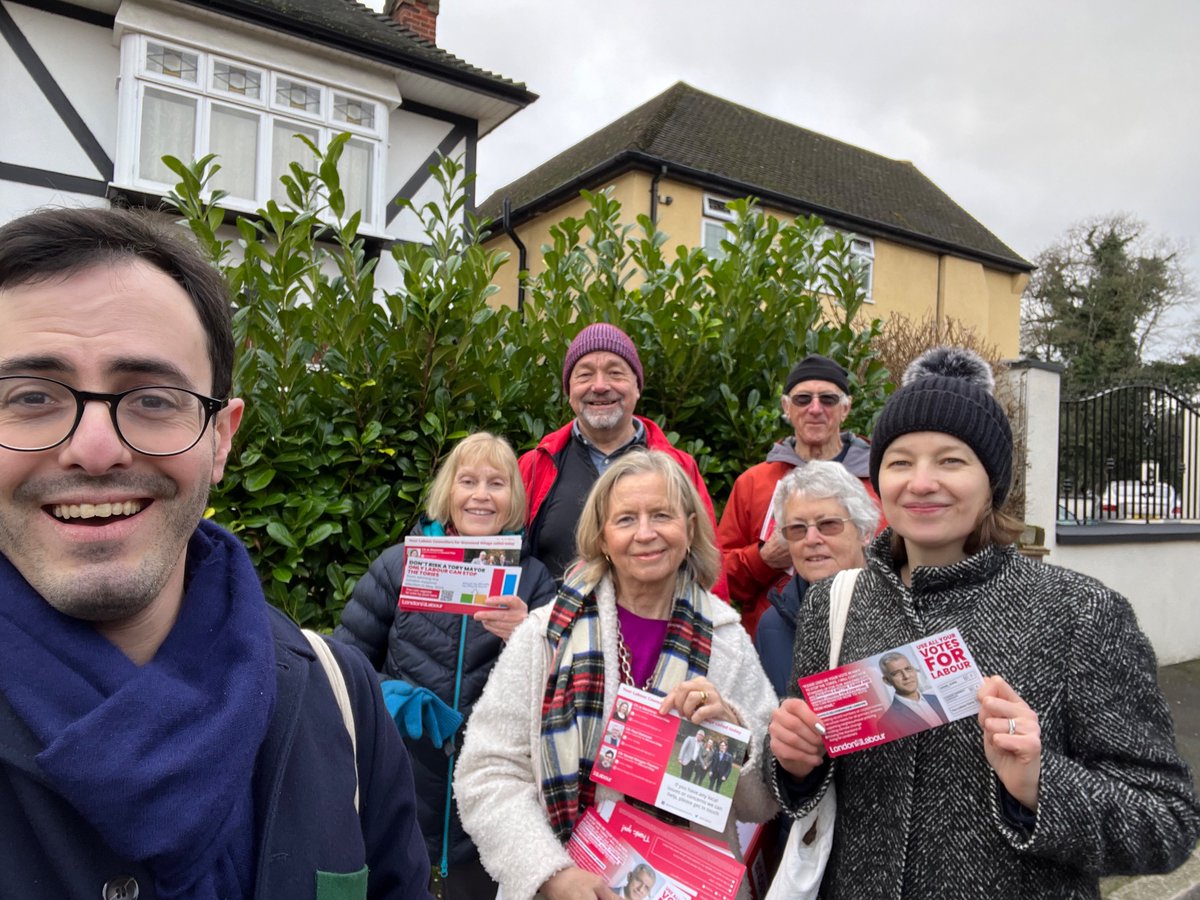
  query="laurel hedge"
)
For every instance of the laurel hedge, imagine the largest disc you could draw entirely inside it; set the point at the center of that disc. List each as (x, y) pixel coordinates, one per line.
(354, 395)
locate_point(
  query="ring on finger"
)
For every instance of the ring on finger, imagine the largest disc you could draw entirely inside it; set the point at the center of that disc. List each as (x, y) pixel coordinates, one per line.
(1012, 726)
(703, 697)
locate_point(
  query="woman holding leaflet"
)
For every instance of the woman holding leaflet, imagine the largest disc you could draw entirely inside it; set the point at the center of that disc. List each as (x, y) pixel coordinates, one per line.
(1070, 771)
(635, 609)
(477, 492)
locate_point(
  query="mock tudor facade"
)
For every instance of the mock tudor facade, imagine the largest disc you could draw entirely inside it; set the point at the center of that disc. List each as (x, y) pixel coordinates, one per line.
(97, 91)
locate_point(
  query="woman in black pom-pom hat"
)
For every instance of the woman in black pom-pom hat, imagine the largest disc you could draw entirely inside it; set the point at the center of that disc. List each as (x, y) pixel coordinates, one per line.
(1069, 771)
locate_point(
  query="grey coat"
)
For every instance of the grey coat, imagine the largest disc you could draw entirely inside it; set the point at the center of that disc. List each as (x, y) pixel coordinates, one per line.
(923, 816)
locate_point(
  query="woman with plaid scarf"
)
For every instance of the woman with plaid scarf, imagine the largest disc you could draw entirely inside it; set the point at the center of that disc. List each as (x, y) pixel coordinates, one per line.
(634, 609)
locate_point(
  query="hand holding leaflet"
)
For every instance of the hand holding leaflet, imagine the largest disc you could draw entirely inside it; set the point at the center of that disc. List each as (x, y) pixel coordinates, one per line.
(697, 700)
(894, 694)
(797, 737)
(574, 883)
(503, 614)
(1012, 739)
(689, 767)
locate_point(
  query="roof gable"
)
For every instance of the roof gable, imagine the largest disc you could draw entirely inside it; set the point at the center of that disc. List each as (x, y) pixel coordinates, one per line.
(742, 151)
(352, 27)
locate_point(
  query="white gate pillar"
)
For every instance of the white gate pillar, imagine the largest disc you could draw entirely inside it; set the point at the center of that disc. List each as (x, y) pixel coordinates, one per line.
(1034, 385)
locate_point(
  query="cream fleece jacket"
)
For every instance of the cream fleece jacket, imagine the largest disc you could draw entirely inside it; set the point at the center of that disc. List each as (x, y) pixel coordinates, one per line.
(498, 778)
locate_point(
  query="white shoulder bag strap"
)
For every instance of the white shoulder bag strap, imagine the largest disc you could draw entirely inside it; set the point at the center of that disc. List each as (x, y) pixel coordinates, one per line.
(840, 593)
(810, 842)
(337, 681)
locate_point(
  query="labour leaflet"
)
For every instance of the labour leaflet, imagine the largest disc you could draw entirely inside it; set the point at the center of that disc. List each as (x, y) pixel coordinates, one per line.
(928, 683)
(686, 769)
(457, 574)
(639, 856)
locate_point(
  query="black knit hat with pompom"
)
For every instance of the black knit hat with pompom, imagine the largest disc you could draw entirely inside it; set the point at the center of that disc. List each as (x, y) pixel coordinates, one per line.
(949, 390)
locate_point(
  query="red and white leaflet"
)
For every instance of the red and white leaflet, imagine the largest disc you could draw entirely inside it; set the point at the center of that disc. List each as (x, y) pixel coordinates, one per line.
(690, 770)
(768, 524)
(931, 682)
(457, 574)
(620, 843)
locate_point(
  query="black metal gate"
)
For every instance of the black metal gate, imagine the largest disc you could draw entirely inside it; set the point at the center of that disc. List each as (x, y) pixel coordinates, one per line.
(1131, 454)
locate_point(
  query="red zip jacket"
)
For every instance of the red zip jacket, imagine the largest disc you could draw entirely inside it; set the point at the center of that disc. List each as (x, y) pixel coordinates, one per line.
(539, 470)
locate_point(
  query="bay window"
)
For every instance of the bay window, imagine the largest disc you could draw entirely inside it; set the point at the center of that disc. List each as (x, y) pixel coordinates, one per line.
(187, 102)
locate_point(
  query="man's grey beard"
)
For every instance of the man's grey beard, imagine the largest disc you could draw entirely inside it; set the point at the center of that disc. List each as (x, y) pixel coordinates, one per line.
(603, 421)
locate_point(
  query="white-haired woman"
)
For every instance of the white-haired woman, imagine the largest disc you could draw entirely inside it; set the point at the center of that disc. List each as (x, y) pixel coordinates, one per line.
(476, 492)
(1070, 770)
(635, 609)
(827, 518)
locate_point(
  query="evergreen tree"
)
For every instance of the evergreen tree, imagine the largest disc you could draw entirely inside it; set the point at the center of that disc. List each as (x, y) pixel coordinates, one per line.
(1098, 298)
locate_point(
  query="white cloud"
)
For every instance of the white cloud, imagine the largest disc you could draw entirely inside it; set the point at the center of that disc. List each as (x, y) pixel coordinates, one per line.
(1031, 115)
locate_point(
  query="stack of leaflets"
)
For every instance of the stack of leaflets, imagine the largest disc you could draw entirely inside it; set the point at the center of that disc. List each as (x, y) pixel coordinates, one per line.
(687, 770)
(628, 847)
(458, 574)
(891, 695)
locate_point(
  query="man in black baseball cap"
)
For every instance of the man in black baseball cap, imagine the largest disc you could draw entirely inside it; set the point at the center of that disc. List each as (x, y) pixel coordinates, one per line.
(815, 402)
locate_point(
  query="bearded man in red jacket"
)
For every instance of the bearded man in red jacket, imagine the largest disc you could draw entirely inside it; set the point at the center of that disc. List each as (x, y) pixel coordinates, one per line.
(602, 378)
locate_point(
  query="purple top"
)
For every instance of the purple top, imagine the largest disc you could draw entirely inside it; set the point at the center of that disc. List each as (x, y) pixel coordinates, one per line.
(644, 638)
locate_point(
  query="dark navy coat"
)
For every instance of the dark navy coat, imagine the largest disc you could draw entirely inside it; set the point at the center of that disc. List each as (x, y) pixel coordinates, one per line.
(303, 792)
(775, 637)
(422, 648)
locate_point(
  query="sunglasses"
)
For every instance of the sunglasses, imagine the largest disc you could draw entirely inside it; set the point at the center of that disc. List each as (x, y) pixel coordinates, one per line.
(804, 398)
(798, 531)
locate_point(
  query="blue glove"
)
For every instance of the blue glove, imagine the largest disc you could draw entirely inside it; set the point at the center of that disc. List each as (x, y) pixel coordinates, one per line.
(419, 712)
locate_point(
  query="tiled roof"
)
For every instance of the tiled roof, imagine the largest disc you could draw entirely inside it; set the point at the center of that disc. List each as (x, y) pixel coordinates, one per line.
(355, 28)
(738, 151)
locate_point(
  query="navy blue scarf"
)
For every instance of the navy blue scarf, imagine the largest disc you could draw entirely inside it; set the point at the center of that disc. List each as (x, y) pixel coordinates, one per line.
(158, 758)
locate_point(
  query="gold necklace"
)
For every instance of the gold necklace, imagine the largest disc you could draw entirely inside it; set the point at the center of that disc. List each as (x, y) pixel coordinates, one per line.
(626, 660)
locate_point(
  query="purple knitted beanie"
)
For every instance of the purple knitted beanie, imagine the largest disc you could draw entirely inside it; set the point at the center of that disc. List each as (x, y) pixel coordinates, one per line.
(601, 336)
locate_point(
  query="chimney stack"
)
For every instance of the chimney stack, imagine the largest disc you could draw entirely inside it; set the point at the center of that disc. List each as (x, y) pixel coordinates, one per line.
(418, 16)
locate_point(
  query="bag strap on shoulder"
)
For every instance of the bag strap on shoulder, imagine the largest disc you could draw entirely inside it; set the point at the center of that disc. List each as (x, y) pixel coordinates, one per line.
(840, 593)
(337, 681)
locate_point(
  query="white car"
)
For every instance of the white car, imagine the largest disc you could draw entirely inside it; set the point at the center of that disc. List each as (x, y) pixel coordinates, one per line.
(1140, 500)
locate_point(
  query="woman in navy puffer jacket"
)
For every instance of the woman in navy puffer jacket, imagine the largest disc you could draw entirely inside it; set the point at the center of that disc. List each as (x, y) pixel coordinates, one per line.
(476, 492)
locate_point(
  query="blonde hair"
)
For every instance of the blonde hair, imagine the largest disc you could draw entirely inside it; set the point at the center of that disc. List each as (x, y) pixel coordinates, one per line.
(703, 560)
(479, 448)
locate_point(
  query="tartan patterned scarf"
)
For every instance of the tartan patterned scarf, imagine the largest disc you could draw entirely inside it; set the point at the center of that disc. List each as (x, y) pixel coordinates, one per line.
(581, 633)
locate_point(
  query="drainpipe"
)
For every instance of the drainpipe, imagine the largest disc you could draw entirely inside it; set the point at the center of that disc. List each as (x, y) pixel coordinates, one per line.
(506, 221)
(654, 195)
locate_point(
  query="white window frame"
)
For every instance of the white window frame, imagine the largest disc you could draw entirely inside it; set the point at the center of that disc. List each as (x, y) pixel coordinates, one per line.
(715, 213)
(713, 216)
(862, 249)
(717, 208)
(136, 77)
(264, 84)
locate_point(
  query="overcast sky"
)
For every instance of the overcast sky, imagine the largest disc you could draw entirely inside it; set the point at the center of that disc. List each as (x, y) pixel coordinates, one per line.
(1032, 115)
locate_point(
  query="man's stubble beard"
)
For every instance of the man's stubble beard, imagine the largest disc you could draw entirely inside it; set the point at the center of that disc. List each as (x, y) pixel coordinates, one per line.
(116, 594)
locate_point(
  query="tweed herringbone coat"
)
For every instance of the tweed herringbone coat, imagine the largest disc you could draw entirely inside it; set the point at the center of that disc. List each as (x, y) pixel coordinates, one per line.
(923, 816)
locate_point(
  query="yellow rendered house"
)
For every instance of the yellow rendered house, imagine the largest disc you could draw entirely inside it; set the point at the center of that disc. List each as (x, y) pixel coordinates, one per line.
(683, 155)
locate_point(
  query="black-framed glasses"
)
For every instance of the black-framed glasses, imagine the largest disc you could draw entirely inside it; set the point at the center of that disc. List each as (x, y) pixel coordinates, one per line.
(829, 399)
(829, 526)
(156, 420)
